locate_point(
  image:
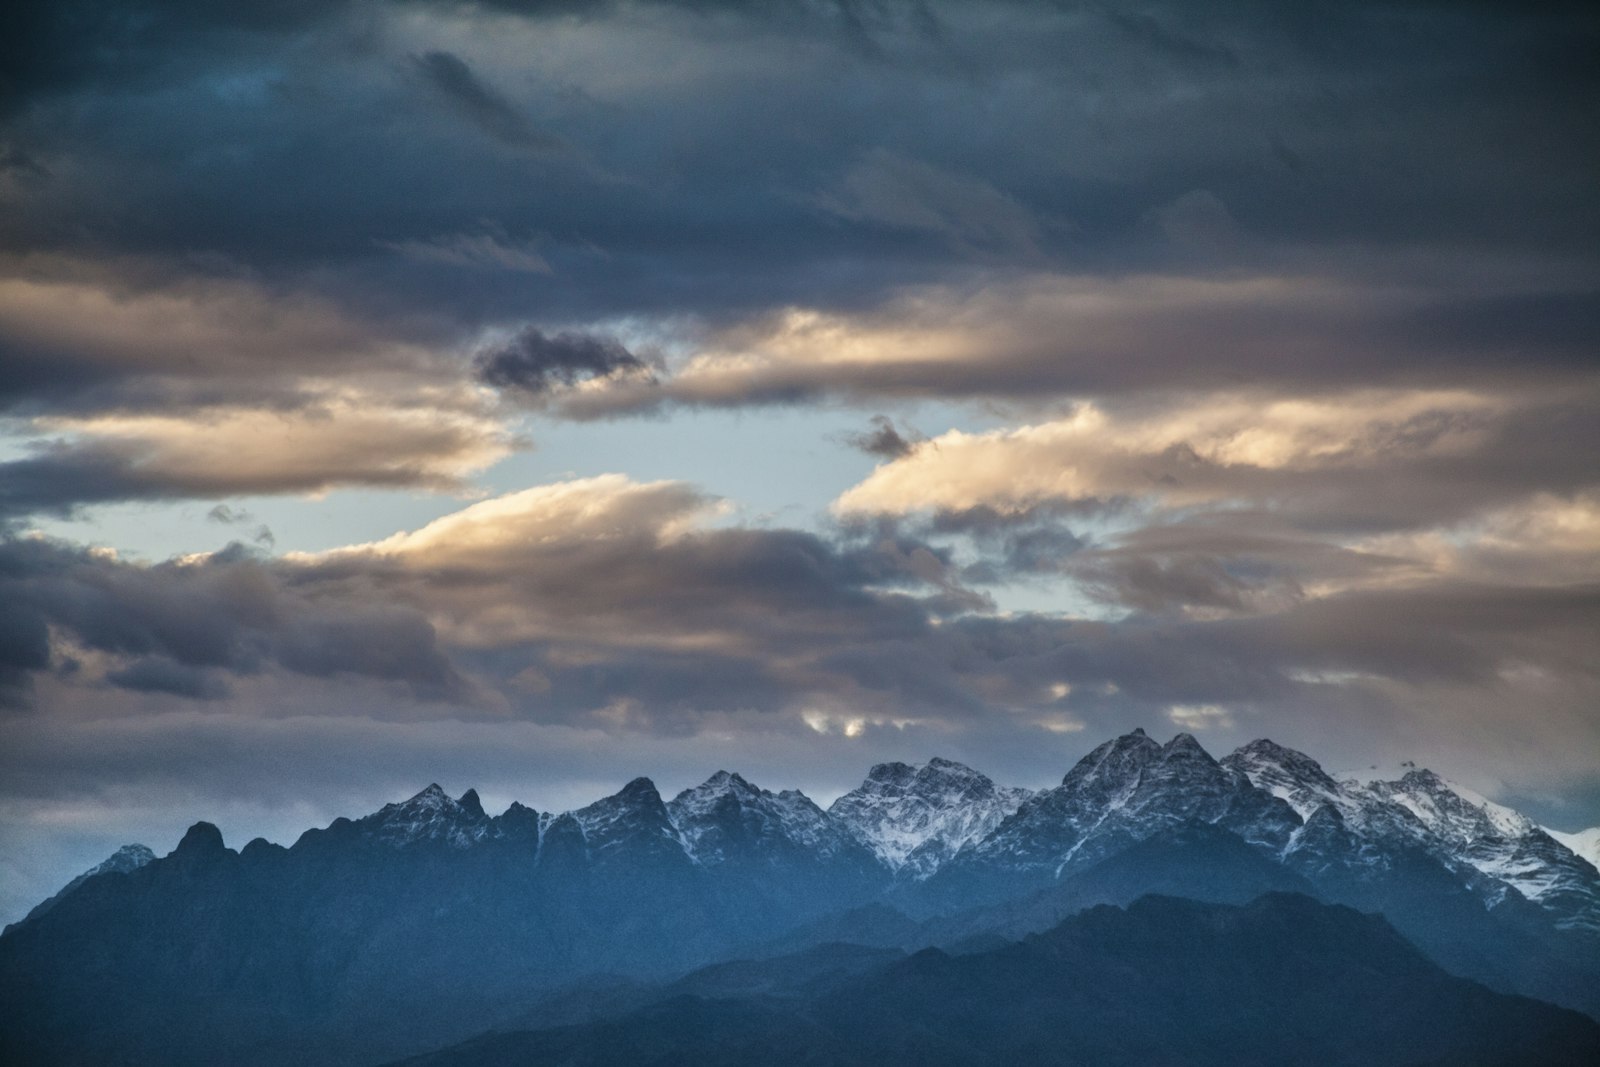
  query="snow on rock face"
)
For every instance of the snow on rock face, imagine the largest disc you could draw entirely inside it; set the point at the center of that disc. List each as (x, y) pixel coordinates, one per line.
(632, 822)
(431, 815)
(1123, 792)
(1455, 813)
(124, 860)
(726, 819)
(1301, 782)
(1291, 776)
(914, 818)
(1502, 844)
(1491, 846)
(1585, 844)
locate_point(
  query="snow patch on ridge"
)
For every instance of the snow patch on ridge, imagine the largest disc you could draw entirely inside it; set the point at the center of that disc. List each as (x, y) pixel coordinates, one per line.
(914, 818)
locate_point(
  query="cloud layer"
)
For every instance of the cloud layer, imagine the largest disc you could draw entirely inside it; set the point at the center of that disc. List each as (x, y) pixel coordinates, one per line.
(1229, 365)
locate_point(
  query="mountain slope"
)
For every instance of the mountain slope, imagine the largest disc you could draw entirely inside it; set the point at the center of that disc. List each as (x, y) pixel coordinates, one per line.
(1280, 980)
(1585, 844)
(124, 860)
(775, 859)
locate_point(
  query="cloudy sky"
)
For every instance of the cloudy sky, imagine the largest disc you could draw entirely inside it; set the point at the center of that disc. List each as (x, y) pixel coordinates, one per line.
(531, 395)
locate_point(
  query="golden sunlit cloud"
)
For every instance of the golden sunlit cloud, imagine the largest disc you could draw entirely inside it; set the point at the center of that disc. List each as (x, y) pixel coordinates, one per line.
(1210, 448)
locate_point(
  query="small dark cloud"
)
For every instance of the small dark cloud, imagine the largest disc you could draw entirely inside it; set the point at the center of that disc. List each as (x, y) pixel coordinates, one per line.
(157, 674)
(534, 362)
(884, 440)
(231, 516)
(453, 81)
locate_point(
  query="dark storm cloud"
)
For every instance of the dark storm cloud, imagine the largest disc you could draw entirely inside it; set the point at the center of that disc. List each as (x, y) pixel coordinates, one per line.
(186, 627)
(721, 190)
(533, 362)
(59, 45)
(157, 674)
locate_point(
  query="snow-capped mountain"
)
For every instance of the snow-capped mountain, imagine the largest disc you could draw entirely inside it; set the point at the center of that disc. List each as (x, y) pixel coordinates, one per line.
(1370, 826)
(631, 824)
(1123, 792)
(914, 818)
(1585, 844)
(123, 860)
(771, 858)
(726, 819)
(1502, 844)
(430, 816)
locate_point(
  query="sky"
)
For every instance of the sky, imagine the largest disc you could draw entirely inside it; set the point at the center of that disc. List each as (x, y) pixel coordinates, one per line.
(533, 395)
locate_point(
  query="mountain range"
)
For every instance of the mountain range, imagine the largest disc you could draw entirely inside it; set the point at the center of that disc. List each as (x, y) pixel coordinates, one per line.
(430, 920)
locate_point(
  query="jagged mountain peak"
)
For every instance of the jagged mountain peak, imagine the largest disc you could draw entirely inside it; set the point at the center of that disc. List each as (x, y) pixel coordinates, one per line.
(639, 795)
(723, 788)
(727, 818)
(431, 815)
(939, 763)
(1501, 848)
(202, 837)
(1117, 758)
(1122, 792)
(1453, 810)
(1183, 744)
(1266, 752)
(126, 858)
(1293, 777)
(724, 782)
(895, 773)
(915, 817)
(936, 774)
(632, 821)
(639, 791)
